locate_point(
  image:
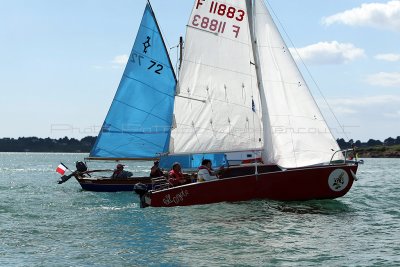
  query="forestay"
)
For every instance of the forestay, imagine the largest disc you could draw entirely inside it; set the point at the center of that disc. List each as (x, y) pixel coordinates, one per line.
(138, 124)
(217, 108)
(296, 133)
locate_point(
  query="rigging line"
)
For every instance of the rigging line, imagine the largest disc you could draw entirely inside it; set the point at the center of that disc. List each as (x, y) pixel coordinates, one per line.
(177, 58)
(309, 72)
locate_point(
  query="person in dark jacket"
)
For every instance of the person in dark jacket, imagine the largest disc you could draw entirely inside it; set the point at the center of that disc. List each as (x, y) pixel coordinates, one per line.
(119, 173)
(155, 170)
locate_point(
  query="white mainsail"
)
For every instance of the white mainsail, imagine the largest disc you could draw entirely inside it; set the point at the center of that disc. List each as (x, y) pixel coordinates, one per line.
(295, 132)
(217, 108)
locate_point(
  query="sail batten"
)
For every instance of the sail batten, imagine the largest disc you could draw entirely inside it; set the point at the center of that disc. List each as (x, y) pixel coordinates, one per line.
(138, 124)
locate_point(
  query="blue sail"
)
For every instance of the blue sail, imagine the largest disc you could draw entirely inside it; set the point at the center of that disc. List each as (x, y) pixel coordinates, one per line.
(138, 124)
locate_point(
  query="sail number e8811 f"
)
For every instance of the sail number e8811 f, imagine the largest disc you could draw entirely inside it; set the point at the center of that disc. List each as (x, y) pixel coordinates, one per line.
(209, 24)
(213, 25)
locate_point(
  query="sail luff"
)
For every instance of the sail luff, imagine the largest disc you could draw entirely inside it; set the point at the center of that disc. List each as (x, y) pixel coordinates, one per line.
(267, 158)
(162, 38)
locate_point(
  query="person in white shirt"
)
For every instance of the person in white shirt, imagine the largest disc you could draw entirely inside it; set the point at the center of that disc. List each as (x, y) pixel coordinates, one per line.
(205, 172)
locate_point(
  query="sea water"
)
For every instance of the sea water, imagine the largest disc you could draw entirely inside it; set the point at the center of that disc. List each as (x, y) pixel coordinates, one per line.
(43, 223)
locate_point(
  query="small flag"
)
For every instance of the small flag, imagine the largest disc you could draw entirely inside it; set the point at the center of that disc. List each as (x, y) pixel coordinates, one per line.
(253, 105)
(61, 169)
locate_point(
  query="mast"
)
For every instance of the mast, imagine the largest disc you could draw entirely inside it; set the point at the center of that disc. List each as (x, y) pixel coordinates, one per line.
(180, 51)
(264, 109)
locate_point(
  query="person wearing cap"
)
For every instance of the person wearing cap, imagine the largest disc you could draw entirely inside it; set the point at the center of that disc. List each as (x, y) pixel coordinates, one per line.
(119, 173)
(155, 170)
(176, 176)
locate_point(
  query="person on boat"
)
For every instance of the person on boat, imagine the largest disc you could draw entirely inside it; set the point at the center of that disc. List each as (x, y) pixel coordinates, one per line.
(205, 172)
(176, 176)
(119, 173)
(155, 170)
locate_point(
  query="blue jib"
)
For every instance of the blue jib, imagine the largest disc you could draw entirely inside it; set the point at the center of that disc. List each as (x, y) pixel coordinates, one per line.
(138, 124)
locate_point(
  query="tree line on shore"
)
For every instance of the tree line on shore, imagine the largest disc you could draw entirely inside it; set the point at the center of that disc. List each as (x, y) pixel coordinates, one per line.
(72, 145)
(35, 144)
(371, 143)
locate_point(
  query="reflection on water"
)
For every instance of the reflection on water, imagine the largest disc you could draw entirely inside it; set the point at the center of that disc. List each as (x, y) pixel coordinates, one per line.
(326, 207)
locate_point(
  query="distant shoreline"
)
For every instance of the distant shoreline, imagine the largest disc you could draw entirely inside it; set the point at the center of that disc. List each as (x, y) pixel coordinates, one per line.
(389, 148)
(379, 152)
(47, 145)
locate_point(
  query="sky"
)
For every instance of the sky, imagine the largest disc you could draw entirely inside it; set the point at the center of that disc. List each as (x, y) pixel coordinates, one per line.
(61, 61)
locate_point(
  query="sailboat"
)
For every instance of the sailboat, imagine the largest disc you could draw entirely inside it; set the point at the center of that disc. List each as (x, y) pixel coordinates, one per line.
(240, 89)
(138, 124)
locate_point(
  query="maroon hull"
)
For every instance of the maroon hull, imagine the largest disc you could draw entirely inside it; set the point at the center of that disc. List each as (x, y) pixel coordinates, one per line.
(324, 182)
(304, 184)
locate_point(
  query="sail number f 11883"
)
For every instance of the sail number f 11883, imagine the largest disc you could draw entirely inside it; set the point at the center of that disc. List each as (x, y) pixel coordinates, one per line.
(206, 21)
(230, 12)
